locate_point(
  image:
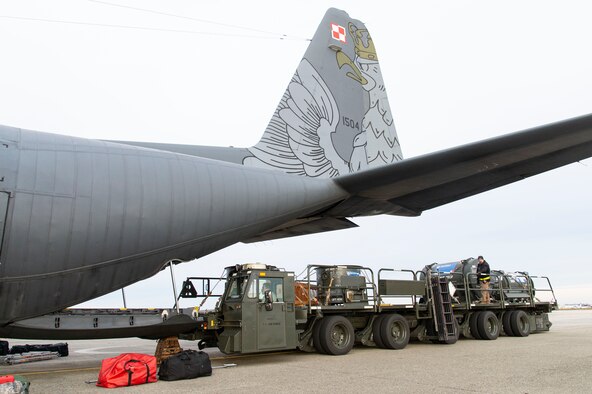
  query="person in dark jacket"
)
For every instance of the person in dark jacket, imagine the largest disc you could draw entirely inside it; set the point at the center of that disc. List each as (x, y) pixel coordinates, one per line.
(483, 274)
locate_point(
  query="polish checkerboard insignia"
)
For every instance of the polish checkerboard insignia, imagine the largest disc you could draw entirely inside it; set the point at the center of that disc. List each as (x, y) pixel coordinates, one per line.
(338, 32)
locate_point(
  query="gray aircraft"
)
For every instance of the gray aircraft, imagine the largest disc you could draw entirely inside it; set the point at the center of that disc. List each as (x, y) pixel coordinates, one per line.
(80, 218)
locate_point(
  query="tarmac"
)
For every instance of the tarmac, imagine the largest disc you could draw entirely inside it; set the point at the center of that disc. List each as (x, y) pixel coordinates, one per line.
(557, 361)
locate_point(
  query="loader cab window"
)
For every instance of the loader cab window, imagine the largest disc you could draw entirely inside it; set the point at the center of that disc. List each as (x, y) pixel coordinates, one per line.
(275, 285)
(252, 292)
(237, 287)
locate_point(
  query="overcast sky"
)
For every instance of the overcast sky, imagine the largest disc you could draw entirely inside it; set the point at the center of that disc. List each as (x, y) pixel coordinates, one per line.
(455, 71)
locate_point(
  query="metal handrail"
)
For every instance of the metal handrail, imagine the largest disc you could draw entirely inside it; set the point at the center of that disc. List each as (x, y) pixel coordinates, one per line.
(206, 286)
(430, 294)
(529, 288)
(370, 286)
(414, 303)
(394, 270)
(496, 285)
(550, 289)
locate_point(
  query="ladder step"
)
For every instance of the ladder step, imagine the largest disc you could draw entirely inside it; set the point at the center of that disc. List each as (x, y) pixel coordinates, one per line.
(444, 314)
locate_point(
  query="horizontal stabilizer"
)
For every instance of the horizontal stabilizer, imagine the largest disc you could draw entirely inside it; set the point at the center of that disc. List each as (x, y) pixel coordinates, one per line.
(228, 154)
(424, 182)
(303, 227)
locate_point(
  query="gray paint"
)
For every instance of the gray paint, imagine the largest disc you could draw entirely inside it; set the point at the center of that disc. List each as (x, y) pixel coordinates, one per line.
(3, 211)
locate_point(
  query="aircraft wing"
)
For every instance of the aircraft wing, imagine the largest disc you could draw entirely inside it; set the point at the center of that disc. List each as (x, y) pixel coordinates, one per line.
(424, 182)
(303, 226)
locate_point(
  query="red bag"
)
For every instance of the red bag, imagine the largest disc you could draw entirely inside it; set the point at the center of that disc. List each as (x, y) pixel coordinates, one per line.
(6, 379)
(127, 369)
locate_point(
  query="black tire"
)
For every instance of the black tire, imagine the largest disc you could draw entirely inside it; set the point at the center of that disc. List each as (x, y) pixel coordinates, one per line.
(473, 325)
(316, 337)
(336, 335)
(520, 324)
(488, 325)
(506, 318)
(376, 332)
(394, 331)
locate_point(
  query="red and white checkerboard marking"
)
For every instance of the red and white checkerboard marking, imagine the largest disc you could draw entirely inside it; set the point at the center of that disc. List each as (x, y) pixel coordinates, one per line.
(338, 32)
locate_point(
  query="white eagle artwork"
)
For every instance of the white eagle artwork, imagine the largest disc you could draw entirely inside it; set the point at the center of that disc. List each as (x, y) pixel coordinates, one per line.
(299, 141)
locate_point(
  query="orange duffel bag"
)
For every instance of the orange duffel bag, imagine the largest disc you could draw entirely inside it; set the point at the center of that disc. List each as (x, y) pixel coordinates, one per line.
(127, 369)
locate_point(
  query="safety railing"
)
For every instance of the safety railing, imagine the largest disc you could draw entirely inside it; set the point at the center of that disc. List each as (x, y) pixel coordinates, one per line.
(537, 289)
(396, 291)
(476, 292)
(518, 289)
(199, 287)
(504, 289)
(340, 287)
(460, 292)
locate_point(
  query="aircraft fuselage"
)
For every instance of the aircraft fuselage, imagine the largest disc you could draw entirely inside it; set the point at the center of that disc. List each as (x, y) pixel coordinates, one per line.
(86, 217)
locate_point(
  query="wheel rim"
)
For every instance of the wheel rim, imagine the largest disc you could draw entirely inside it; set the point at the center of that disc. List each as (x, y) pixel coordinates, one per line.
(490, 326)
(493, 325)
(397, 332)
(339, 336)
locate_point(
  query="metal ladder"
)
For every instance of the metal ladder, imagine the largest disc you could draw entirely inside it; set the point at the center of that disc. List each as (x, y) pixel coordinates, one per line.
(443, 313)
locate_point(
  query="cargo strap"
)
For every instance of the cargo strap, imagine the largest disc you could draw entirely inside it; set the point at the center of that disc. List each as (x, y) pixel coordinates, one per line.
(130, 372)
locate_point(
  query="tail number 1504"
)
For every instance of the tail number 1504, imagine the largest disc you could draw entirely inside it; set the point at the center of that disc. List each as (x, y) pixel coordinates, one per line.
(350, 123)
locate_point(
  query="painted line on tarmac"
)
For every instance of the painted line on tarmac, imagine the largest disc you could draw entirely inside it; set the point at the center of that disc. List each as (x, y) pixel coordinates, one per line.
(97, 350)
(59, 371)
(98, 368)
(251, 355)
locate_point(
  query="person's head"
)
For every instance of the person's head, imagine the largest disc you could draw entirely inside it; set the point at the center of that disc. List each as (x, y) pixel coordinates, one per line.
(481, 259)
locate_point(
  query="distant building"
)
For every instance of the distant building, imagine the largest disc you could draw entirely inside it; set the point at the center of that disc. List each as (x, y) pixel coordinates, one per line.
(577, 306)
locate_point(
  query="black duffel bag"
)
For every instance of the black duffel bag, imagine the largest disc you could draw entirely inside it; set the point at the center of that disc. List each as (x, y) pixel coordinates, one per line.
(61, 348)
(4, 348)
(189, 364)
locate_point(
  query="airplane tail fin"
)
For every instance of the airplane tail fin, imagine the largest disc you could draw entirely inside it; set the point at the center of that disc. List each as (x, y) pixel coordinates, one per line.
(334, 118)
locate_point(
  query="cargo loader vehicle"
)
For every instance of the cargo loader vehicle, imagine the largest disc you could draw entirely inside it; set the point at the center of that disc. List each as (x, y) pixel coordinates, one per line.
(264, 308)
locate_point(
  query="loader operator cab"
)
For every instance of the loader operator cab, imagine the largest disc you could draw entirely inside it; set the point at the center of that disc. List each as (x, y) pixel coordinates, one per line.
(257, 309)
(270, 289)
(236, 288)
(239, 279)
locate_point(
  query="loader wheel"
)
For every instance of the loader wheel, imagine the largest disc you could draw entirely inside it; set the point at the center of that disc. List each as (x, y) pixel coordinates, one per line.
(316, 337)
(488, 325)
(520, 324)
(336, 335)
(506, 323)
(473, 325)
(394, 331)
(376, 331)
